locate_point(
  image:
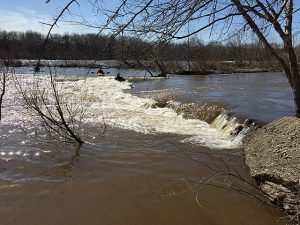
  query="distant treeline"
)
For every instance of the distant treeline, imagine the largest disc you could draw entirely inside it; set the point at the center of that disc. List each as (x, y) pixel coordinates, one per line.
(27, 45)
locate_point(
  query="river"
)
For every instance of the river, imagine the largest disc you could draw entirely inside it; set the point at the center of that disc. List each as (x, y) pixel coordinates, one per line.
(258, 96)
(146, 168)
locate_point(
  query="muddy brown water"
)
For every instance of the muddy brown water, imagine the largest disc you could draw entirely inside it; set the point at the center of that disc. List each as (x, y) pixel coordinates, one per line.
(123, 178)
(130, 178)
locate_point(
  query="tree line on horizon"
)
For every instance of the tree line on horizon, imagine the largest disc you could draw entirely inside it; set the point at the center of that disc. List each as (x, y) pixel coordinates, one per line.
(27, 45)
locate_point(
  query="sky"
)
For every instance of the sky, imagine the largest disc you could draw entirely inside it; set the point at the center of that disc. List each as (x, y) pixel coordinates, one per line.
(24, 15)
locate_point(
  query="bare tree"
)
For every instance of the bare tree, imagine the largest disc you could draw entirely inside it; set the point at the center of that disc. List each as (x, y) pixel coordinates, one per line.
(3, 80)
(54, 111)
(5, 73)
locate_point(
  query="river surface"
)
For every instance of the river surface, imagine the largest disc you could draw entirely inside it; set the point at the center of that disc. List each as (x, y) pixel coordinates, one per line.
(258, 96)
(136, 172)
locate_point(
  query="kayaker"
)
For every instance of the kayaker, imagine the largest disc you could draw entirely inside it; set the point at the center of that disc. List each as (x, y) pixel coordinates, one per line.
(100, 72)
(119, 78)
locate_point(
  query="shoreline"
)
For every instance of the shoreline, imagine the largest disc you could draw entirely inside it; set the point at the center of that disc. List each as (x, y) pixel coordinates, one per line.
(240, 70)
(272, 154)
(169, 68)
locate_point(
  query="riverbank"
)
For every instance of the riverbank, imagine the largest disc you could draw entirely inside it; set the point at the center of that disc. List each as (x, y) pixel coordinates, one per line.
(227, 71)
(161, 67)
(272, 154)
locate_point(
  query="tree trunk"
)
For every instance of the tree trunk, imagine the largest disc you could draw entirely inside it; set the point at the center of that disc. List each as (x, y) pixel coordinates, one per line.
(0, 110)
(294, 72)
(2, 92)
(296, 91)
(294, 79)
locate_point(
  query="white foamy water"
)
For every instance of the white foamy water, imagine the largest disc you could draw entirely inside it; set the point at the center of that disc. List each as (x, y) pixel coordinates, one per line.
(107, 103)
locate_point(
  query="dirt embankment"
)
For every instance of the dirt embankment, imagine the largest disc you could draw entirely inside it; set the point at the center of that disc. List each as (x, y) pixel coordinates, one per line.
(273, 155)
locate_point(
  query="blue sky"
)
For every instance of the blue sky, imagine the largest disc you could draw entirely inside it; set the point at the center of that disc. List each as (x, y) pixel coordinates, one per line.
(23, 15)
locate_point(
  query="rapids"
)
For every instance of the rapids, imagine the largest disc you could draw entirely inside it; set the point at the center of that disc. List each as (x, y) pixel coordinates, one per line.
(143, 162)
(107, 103)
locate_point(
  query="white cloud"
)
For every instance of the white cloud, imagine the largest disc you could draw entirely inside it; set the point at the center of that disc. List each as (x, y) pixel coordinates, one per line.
(21, 20)
(27, 19)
